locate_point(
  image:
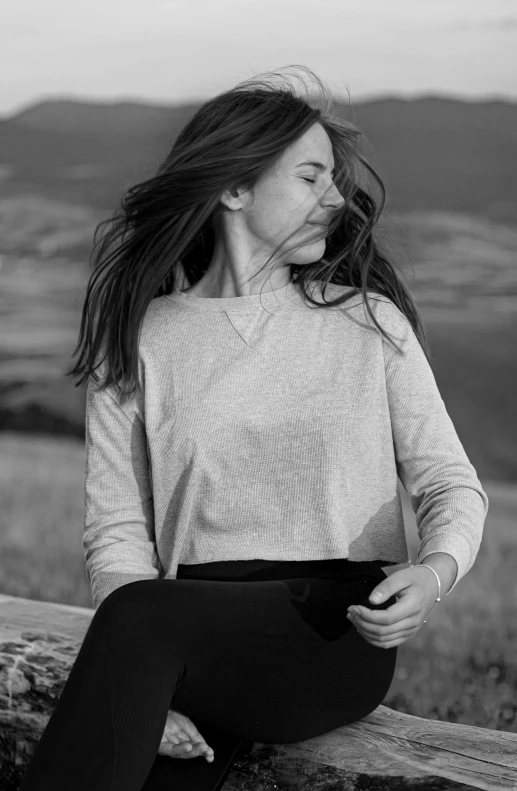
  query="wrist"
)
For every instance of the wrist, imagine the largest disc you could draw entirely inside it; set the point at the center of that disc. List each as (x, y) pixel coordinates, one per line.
(435, 585)
(445, 566)
(437, 580)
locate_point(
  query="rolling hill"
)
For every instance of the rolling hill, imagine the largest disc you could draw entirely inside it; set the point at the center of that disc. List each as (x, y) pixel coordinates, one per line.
(434, 152)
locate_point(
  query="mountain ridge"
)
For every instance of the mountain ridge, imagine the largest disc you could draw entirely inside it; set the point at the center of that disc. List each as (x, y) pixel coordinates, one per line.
(432, 153)
(49, 109)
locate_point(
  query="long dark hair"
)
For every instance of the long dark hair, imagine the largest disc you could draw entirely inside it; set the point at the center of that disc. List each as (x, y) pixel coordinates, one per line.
(163, 230)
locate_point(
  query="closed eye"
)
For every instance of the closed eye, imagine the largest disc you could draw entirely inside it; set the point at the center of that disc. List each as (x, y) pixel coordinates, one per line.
(312, 181)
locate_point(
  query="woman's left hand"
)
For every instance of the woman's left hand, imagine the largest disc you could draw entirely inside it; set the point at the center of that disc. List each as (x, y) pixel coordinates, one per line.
(416, 593)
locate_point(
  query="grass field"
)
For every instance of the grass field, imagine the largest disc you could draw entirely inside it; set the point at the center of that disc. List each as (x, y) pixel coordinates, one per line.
(460, 667)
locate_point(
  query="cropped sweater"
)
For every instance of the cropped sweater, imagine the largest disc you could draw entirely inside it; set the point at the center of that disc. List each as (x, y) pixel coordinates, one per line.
(265, 427)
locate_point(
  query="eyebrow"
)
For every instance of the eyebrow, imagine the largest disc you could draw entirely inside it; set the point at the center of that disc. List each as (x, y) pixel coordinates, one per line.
(318, 165)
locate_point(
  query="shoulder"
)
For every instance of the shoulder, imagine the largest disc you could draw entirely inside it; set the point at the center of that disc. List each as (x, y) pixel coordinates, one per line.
(154, 323)
(382, 307)
(157, 309)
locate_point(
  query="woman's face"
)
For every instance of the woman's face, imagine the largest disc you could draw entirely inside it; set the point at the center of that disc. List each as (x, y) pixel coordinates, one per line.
(293, 196)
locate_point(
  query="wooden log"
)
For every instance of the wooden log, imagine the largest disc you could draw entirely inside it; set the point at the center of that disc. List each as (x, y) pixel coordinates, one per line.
(387, 749)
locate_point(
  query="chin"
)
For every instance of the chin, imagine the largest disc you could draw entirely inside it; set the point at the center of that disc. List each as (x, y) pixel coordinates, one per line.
(310, 253)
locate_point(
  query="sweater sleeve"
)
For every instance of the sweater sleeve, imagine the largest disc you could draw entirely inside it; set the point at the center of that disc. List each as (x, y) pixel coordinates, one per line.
(118, 538)
(446, 495)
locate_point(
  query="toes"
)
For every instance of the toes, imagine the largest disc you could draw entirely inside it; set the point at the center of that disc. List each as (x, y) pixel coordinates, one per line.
(177, 750)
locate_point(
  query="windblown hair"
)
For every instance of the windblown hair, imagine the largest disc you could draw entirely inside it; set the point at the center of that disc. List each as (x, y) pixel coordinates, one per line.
(164, 228)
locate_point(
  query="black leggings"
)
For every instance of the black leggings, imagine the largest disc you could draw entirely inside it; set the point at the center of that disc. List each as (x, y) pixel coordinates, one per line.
(267, 660)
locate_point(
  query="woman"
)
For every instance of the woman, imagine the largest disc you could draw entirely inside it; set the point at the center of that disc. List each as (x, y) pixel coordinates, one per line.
(242, 455)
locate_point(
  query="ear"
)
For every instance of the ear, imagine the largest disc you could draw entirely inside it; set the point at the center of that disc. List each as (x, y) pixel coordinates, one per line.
(233, 198)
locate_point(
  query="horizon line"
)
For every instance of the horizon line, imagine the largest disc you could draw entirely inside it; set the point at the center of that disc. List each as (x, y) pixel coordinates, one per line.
(189, 100)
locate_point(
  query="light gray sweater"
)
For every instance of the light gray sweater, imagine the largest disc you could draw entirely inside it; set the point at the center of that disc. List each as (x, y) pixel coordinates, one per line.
(264, 427)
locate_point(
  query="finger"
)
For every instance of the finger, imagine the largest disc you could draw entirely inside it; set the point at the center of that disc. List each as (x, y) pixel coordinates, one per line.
(377, 630)
(392, 643)
(388, 640)
(392, 615)
(386, 632)
(389, 643)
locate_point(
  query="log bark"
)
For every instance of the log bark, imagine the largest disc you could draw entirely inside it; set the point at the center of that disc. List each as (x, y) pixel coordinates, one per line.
(387, 749)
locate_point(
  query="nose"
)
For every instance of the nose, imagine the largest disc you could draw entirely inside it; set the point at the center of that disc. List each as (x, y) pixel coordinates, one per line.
(333, 197)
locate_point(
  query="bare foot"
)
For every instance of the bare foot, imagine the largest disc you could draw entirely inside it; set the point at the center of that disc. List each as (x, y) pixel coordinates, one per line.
(181, 738)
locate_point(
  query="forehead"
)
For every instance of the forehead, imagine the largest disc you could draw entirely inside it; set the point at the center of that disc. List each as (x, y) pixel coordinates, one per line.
(313, 144)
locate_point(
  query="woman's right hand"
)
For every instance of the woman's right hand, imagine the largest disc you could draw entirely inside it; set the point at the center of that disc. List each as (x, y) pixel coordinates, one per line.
(181, 739)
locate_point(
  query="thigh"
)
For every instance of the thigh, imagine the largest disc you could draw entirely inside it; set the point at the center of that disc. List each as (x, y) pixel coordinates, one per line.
(278, 661)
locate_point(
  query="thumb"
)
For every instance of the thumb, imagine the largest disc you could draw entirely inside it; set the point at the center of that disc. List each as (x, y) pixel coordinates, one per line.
(395, 583)
(380, 593)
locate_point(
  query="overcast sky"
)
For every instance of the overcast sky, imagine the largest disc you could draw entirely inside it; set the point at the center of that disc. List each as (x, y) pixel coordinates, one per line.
(170, 50)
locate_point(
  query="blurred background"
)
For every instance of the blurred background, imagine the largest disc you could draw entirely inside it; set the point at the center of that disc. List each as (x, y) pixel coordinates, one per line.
(94, 97)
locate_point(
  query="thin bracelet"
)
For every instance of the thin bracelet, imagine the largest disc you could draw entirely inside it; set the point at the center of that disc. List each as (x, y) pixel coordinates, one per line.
(420, 565)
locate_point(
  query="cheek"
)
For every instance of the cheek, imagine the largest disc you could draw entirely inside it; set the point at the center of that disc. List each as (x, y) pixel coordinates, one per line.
(278, 212)
(265, 225)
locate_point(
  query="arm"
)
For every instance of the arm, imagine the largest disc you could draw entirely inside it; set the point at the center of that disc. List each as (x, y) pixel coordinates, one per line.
(449, 503)
(118, 538)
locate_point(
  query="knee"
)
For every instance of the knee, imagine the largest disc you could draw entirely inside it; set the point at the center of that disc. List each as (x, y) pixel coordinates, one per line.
(126, 605)
(144, 607)
(120, 594)
(127, 591)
